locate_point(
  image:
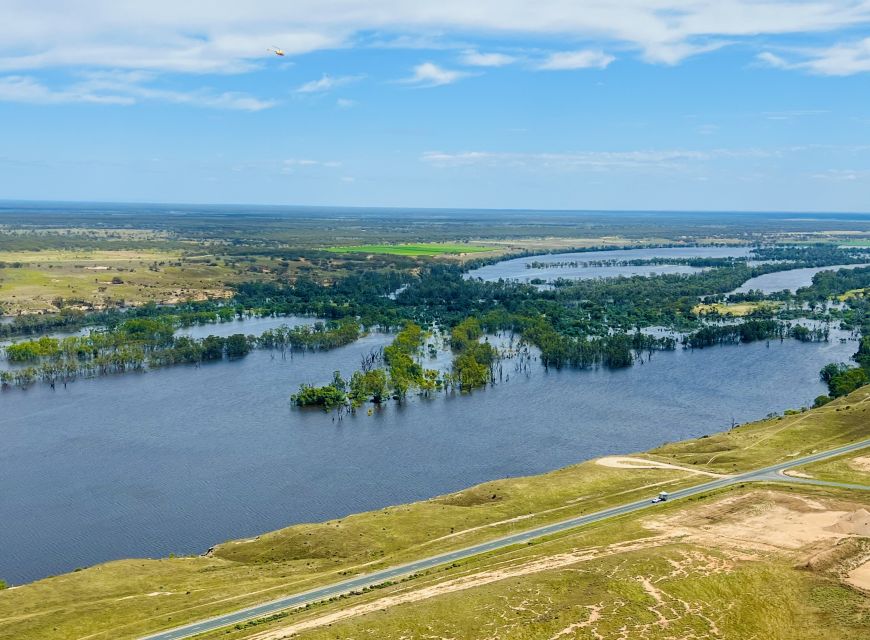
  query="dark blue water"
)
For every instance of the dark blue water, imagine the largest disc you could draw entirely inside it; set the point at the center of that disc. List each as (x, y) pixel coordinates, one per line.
(175, 460)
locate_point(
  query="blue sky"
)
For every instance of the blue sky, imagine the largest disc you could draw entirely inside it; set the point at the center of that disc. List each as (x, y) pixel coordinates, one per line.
(625, 104)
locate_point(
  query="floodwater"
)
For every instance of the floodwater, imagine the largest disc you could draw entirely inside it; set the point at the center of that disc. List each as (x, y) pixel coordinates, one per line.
(177, 459)
(248, 326)
(791, 280)
(517, 269)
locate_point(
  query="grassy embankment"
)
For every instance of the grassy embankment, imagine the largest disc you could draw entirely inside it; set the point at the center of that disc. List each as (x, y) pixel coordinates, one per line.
(125, 599)
(775, 440)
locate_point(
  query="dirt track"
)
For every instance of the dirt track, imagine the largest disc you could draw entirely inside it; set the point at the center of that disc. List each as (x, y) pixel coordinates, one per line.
(626, 462)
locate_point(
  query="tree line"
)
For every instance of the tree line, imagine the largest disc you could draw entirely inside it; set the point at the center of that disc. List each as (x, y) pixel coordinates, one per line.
(142, 343)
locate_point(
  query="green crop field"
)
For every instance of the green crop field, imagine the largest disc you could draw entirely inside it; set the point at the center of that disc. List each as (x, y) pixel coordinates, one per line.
(425, 249)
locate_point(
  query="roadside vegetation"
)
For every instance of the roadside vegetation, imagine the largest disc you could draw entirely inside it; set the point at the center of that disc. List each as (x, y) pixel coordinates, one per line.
(615, 581)
(851, 468)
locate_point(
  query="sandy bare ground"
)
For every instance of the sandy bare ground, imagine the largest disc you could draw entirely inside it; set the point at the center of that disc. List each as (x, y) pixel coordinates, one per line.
(797, 474)
(626, 462)
(861, 463)
(740, 526)
(465, 582)
(767, 521)
(860, 576)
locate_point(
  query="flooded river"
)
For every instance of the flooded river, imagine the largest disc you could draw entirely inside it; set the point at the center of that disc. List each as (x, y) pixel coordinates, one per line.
(177, 459)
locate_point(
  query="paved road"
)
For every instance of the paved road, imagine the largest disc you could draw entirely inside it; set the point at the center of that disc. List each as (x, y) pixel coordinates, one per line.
(772, 473)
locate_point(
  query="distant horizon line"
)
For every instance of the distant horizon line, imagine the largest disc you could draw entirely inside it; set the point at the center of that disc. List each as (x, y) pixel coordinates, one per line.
(27, 201)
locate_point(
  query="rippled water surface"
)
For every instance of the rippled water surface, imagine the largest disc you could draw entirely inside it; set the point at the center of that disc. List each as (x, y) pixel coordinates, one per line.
(518, 270)
(175, 460)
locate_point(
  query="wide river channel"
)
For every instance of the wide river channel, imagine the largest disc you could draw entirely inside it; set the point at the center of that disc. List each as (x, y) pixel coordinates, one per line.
(177, 459)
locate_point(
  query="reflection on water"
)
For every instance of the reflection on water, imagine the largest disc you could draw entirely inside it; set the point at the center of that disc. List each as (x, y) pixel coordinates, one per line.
(174, 460)
(518, 270)
(791, 280)
(248, 326)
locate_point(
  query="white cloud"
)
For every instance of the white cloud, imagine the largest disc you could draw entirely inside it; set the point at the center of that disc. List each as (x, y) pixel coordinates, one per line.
(327, 83)
(430, 42)
(121, 88)
(223, 36)
(772, 60)
(345, 103)
(30, 91)
(290, 165)
(430, 74)
(568, 60)
(792, 114)
(843, 175)
(674, 52)
(474, 58)
(226, 100)
(589, 160)
(843, 59)
(220, 53)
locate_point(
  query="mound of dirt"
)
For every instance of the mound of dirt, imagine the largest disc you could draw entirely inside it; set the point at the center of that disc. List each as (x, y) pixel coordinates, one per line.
(856, 523)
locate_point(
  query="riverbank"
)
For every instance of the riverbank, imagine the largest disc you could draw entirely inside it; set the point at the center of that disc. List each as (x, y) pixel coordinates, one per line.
(159, 468)
(103, 602)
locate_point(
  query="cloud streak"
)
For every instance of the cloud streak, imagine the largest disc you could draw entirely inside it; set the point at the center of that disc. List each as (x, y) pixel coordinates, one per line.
(112, 88)
(473, 58)
(570, 60)
(290, 165)
(843, 59)
(843, 175)
(429, 74)
(220, 36)
(327, 83)
(27, 90)
(589, 160)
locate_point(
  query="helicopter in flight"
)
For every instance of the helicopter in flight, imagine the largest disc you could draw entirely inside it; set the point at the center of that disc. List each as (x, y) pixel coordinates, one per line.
(276, 51)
